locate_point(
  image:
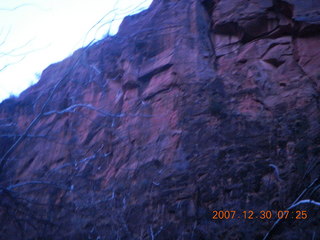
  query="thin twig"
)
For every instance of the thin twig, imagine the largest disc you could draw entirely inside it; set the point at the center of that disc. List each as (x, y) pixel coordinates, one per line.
(305, 201)
(9, 188)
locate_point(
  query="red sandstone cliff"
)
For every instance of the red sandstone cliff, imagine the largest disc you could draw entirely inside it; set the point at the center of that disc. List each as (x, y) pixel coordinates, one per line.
(194, 106)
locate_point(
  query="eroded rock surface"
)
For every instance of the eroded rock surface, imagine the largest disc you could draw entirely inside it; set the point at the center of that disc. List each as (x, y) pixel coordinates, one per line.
(194, 106)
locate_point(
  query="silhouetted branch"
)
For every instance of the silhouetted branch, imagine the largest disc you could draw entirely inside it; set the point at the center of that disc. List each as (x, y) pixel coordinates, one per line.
(100, 23)
(12, 51)
(17, 7)
(4, 40)
(23, 6)
(10, 64)
(18, 51)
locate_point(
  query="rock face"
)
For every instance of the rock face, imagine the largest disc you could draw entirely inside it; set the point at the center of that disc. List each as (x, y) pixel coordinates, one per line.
(193, 107)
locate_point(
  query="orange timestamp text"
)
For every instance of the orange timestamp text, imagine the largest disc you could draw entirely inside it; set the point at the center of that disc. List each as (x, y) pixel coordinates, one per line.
(264, 214)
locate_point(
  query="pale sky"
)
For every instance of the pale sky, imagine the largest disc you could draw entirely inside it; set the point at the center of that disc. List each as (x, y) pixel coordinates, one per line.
(37, 33)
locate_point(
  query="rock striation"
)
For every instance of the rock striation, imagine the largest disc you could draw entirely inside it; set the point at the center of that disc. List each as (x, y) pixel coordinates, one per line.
(193, 107)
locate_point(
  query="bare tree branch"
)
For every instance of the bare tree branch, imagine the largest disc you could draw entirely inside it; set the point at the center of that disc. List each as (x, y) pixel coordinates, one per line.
(22, 6)
(72, 109)
(76, 162)
(34, 182)
(5, 38)
(39, 116)
(81, 105)
(17, 135)
(305, 201)
(17, 7)
(12, 63)
(296, 203)
(43, 215)
(11, 52)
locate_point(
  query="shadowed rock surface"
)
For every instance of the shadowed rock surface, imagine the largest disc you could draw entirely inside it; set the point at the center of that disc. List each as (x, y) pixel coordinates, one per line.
(194, 106)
